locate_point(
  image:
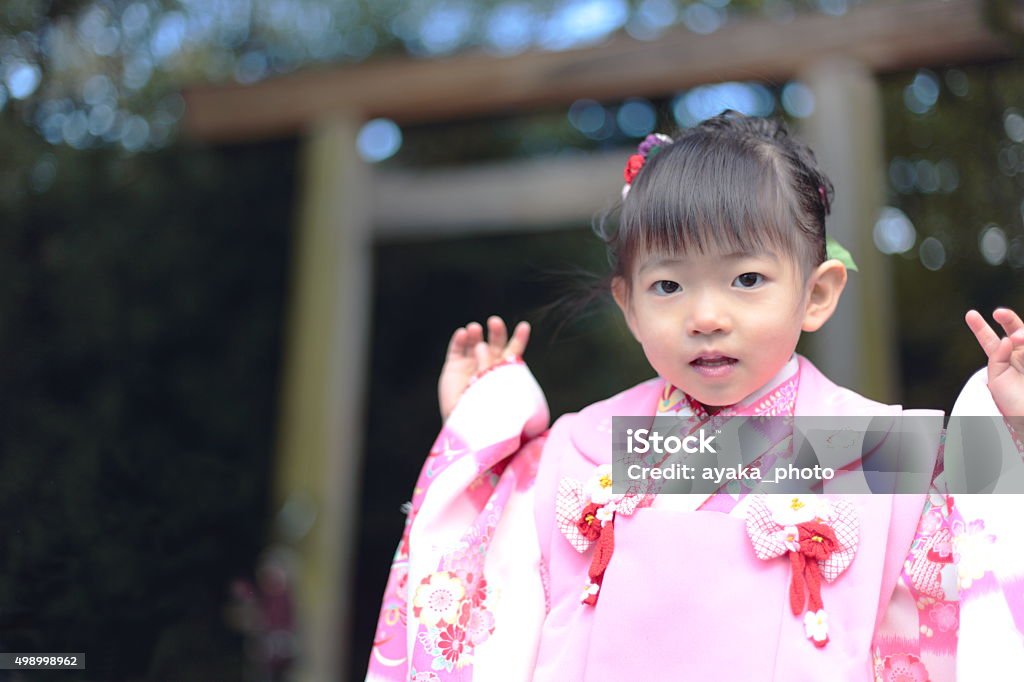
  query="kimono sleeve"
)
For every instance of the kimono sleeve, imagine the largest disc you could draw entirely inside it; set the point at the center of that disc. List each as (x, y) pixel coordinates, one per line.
(987, 537)
(958, 610)
(464, 599)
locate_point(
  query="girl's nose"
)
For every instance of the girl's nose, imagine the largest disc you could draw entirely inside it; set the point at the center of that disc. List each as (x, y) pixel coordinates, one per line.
(708, 316)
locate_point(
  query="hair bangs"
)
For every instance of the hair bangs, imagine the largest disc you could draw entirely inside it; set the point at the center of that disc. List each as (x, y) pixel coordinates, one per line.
(708, 196)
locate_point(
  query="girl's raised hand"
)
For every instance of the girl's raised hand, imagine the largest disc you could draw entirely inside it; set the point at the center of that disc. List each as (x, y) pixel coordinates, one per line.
(469, 353)
(1005, 359)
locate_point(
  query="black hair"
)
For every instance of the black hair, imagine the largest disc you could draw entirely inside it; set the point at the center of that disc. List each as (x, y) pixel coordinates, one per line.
(731, 183)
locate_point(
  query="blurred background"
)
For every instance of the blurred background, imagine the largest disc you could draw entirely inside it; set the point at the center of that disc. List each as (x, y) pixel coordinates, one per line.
(236, 235)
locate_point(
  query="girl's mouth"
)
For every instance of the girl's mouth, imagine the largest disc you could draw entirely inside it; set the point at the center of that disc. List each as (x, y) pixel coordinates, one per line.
(714, 367)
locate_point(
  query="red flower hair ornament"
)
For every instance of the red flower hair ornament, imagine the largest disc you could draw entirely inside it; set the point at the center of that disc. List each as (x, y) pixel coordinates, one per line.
(651, 145)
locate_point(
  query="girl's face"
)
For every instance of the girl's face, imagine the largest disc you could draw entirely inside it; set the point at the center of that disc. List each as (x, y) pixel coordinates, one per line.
(719, 326)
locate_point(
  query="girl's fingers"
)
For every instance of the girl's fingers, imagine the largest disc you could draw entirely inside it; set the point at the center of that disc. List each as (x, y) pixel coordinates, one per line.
(987, 338)
(475, 334)
(469, 341)
(483, 356)
(520, 337)
(1017, 350)
(497, 335)
(999, 360)
(1009, 320)
(457, 346)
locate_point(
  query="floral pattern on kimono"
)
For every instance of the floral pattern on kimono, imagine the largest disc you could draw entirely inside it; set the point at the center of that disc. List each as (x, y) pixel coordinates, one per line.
(450, 612)
(917, 641)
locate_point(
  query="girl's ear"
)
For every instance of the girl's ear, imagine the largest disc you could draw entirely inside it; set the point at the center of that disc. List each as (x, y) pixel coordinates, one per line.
(620, 293)
(825, 286)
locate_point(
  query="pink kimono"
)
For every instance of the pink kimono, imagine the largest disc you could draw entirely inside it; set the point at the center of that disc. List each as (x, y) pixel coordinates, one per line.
(500, 577)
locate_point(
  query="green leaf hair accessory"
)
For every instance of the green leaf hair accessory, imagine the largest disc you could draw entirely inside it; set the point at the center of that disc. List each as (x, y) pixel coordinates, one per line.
(834, 249)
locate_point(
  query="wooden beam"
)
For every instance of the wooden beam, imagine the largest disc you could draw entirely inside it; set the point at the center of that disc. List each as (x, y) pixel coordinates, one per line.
(526, 195)
(881, 35)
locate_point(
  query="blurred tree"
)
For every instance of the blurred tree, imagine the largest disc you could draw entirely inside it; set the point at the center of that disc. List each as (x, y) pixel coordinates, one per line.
(954, 139)
(89, 73)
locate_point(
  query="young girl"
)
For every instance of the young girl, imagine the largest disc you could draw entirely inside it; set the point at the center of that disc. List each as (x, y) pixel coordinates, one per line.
(519, 561)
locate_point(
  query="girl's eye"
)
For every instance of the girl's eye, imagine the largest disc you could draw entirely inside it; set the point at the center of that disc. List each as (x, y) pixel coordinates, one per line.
(664, 287)
(749, 280)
